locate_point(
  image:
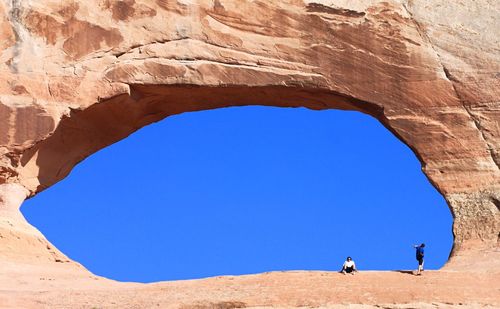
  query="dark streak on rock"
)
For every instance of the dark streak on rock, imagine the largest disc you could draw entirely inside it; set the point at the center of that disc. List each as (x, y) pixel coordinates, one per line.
(497, 204)
(218, 7)
(19, 90)
(122, 10)
(319, 8)
(80, 37)
(4, 125)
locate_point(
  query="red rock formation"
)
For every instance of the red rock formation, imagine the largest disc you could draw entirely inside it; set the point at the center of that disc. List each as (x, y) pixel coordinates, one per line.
(77, 76)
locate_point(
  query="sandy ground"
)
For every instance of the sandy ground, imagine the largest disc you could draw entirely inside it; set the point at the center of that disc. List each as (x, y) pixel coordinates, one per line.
(292, 289)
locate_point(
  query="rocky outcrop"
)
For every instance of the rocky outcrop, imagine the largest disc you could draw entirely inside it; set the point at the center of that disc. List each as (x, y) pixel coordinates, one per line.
(77, 76)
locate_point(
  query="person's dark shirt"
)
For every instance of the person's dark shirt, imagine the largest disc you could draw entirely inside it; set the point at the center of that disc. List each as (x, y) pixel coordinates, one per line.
(420, 252)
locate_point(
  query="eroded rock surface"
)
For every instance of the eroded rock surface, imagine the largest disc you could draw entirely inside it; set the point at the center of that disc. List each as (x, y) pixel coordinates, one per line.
(76, 76)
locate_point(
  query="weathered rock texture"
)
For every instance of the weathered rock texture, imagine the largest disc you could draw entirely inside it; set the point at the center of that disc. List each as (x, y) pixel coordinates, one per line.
(76, 76)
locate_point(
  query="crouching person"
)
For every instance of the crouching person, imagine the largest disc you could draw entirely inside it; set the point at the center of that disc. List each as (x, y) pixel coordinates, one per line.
(349, 266)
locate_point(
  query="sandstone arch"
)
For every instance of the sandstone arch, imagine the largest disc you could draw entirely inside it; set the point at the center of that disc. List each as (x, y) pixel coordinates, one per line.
(78, 76)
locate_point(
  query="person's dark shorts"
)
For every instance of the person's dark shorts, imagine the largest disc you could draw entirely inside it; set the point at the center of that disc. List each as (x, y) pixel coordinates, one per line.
(349, 269)
(420, 260)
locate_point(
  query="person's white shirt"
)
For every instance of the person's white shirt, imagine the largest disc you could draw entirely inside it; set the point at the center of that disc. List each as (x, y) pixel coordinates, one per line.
(349, 264)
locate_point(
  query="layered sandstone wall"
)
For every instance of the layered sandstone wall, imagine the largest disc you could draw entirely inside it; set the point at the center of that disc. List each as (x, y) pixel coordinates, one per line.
(76, 76)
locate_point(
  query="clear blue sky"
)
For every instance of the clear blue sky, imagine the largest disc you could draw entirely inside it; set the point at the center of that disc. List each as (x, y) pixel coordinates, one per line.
(246, 190)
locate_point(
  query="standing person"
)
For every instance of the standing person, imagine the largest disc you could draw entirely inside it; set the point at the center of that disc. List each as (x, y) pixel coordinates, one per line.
(420, 257)
(349, 266)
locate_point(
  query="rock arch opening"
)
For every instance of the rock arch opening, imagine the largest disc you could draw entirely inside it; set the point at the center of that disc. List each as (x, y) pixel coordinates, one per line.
(84, 131)
(205, 207)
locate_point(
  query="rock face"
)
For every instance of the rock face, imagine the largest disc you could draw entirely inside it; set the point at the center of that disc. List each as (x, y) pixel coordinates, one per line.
(77, 76)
